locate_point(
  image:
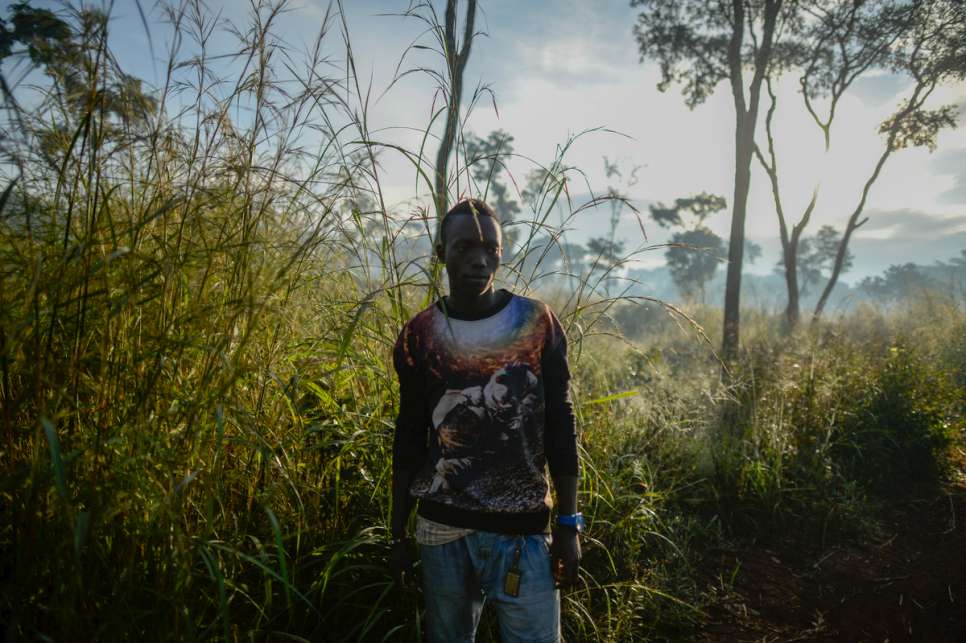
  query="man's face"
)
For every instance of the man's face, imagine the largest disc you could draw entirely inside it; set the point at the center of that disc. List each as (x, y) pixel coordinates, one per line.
(471, 254)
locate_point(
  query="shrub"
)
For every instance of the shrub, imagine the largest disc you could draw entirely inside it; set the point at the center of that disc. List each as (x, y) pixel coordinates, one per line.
(901, 424)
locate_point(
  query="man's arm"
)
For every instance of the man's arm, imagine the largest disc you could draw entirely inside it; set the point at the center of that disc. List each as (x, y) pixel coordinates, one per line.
(409, 450)
(402, 558)
(566, 487)
(565, 549)
(408, 453)
(560, 443)
(402, 502)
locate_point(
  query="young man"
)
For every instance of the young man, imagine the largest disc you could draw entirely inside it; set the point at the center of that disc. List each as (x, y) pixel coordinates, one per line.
(483, 411)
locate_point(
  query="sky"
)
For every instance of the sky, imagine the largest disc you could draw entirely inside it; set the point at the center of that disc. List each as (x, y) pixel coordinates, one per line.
(558, 68)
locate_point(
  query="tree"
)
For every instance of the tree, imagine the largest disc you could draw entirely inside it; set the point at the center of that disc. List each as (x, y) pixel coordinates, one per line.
(546, 255)
(87, 85)
(542, 194)
(539, 182)
(456, 59)
(572, 258)
(815, 257)
(693, 254)
(700, 44)
(819, 256)
(898, 282)
(700, 206)
(485, 160)
(931, 52)
(835, 42)
(545, 191)
(607, 255)
(752, 251)
(607, 250)
(832, 43)
(693, 258)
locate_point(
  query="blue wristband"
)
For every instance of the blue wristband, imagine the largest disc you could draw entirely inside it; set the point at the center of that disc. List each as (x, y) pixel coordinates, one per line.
(572, 520)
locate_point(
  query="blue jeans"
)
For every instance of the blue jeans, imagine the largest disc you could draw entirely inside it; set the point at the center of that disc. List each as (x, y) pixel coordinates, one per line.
(459, 576)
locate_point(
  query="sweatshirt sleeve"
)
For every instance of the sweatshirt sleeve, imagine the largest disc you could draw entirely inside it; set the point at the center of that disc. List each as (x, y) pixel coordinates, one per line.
(409, 446)
(560, 431)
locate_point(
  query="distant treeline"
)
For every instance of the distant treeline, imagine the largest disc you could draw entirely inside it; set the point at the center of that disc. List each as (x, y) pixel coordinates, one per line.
(896, 283)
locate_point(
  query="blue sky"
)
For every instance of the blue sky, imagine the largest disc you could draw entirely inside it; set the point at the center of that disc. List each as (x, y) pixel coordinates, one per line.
(562, 67)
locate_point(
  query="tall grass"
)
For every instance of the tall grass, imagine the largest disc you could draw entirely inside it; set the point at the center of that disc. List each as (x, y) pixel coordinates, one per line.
(199, 296)
(199, 292)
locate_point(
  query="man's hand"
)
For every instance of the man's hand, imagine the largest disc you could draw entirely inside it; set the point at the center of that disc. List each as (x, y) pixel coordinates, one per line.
(565, 555)
(402, 564)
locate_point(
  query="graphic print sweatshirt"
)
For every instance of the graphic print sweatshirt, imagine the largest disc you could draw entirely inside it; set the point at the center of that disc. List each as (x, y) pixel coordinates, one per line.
(483, 411)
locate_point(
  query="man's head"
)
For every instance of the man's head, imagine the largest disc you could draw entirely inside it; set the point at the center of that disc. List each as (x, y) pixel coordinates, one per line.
(470, 245)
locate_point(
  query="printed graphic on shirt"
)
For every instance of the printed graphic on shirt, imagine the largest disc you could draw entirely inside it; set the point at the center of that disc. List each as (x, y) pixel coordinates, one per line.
(486, 448)
(488, 423)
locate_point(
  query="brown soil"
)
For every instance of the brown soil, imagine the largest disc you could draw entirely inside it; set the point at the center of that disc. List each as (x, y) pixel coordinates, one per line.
(904, 582)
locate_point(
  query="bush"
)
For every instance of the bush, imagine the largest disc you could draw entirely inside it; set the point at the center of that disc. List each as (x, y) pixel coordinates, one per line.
(901, 425)
(831, 417)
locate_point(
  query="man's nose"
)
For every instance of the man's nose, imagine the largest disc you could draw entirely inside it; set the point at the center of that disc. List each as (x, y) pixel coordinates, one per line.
(477, 261)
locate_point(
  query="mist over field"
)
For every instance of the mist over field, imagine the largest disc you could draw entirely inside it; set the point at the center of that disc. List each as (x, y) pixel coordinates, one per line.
(215, 218)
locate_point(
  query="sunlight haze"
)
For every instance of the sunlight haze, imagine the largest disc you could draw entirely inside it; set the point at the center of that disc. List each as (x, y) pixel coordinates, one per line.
(562, 68)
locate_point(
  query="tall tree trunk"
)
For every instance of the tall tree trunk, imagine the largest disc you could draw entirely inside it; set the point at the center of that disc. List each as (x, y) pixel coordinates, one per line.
(790, 242)
(746, 117)
(792, 309)
(790, 246)
(732, 316)
(455, 64)
(853, 225)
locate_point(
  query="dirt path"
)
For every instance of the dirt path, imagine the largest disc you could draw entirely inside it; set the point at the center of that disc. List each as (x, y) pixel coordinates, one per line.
(905, 583)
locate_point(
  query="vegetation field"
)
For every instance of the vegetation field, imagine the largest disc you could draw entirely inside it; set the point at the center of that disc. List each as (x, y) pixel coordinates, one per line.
(200, 288)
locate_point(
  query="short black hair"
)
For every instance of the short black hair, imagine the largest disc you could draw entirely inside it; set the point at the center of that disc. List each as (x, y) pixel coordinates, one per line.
(474, 207)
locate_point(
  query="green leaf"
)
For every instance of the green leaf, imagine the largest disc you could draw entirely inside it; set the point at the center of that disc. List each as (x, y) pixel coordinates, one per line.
(611, 398)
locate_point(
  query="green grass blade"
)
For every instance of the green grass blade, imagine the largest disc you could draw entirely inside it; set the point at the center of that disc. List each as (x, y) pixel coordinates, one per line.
(282, 565)
(56, 462)
(611, 398)
(214, 570)
(82, 525)
(351, 328)
(265, 568)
